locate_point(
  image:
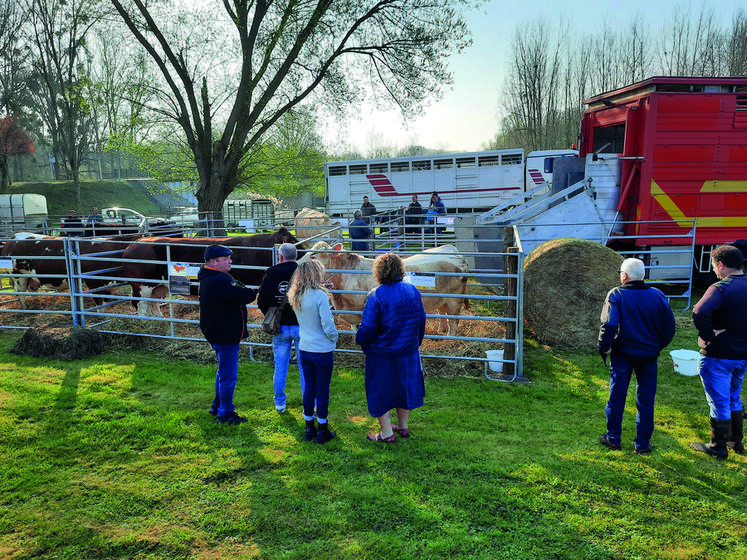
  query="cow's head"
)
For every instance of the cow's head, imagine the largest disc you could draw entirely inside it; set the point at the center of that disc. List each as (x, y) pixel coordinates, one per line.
(284, 236)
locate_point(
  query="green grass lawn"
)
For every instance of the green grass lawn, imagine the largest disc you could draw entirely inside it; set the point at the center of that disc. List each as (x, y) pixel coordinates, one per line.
(116, 457)
(61, 196)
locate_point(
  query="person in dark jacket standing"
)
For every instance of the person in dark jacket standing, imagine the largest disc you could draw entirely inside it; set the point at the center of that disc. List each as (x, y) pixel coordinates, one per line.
(637, 323)
(73, 225)
(367, 210)
(391, 332)
(720, 318)
(223, 316)
(414, 215)
(272, 290)
(359, 232)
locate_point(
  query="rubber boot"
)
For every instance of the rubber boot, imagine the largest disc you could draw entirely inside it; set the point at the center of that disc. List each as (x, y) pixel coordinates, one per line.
(310, 430)
(324, 434)
(720, 430)
(737, 427)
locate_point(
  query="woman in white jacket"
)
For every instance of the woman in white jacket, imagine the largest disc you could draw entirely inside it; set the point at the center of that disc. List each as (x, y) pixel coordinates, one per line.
(318, 337)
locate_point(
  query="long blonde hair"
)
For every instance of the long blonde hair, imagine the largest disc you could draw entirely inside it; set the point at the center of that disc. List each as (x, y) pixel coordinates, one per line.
(308, 276)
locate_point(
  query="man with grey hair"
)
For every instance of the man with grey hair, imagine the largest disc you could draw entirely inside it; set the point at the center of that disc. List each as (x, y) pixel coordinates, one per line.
(637, 323)
(272, 290)
(359, 233)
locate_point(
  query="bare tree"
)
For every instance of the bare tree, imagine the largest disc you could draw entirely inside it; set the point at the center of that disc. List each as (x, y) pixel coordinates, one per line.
(531, 95)
(636, 52)
(123, 78)
(15, 59)
(736, 46)
(285, 53)
(691, 47)
(377, 146)
(16, 78)
(60, 29)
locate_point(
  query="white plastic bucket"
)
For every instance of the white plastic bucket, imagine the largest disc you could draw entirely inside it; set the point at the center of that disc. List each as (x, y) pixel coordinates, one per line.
(496, 360)
(685, 361)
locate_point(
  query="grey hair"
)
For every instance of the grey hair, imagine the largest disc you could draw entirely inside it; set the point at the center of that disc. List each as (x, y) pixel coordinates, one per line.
(634, 268)
(289, 251)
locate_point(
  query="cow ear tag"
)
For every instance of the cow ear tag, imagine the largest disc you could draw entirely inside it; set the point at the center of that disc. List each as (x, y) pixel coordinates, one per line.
(337, 247)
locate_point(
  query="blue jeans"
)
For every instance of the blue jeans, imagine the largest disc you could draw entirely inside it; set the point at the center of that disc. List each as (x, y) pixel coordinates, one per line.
(281, 350)
(722, 380)
(225, 379)
(317, 368)
(621, 372)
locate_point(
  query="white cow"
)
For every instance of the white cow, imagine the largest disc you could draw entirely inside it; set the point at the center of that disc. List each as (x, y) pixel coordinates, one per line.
(310, 223)
(444, 259)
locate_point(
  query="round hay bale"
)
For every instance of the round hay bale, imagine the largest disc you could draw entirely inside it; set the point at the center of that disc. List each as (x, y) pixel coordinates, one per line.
(565, 283)
(67, 343)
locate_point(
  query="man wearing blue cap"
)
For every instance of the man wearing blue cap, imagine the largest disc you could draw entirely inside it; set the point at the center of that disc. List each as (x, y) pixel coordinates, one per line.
(223, 316)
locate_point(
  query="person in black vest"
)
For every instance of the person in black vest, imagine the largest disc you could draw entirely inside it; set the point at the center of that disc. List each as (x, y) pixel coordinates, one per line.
(73, 225)
(367, 210)
(415, 215)
(223, 316)
(272, 290)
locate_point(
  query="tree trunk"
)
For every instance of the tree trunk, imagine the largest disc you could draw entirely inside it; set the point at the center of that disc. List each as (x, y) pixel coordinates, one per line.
(216, 183)
(4, 181)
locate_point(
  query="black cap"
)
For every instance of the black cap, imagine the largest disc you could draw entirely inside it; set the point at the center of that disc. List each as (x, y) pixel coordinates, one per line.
(215, 251)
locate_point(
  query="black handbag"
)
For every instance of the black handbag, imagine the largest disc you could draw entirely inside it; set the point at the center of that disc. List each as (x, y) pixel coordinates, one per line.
(271, 322)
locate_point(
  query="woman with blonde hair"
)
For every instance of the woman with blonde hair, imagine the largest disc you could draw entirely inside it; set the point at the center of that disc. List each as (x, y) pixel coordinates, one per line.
(391, 331)
(316, 349)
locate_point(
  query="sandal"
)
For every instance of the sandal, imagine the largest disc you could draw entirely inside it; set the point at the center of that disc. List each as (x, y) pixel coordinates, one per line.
(403, 432)
(377, 437)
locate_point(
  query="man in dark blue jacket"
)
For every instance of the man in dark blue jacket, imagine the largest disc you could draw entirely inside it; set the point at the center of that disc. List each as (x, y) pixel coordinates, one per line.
(637, 323)
(721, 319)
(223, 316)
(359, 232)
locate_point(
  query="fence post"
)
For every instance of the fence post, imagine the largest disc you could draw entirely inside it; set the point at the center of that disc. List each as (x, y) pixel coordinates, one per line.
(510, 266)
(71, 249)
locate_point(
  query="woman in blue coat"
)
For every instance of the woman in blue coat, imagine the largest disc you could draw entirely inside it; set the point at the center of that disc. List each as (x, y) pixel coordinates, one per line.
(391, 331)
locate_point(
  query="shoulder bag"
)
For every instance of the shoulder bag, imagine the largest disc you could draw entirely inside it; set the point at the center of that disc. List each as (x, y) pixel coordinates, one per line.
(271, 322)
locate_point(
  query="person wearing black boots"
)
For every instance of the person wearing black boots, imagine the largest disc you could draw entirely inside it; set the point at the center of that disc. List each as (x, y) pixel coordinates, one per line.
(316, 350)
(722, 337)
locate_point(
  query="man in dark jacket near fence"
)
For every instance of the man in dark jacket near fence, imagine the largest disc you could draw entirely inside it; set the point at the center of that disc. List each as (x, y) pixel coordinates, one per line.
(272, 291)
(637, 323)
(720, 317)
(223, 317)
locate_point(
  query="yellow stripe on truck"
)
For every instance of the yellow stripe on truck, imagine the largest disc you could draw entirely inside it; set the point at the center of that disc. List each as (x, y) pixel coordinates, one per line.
(682, 220)
(669, 205)
(724, 186)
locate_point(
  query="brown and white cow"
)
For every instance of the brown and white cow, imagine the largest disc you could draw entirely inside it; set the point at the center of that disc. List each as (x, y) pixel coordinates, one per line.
(42, 260)
(145, 262)
(444, 259)
(312, 223)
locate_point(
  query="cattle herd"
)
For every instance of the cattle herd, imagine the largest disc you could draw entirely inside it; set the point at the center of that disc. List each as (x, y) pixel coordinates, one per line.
(142, 262)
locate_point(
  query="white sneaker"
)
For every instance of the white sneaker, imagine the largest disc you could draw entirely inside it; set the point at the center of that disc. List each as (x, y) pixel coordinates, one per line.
(281, 409)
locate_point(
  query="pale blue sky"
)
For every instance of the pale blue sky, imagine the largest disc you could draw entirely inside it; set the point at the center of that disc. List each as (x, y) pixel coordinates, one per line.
(467, 116)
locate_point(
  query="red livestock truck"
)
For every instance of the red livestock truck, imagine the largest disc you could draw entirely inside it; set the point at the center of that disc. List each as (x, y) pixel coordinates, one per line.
(662, 166)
